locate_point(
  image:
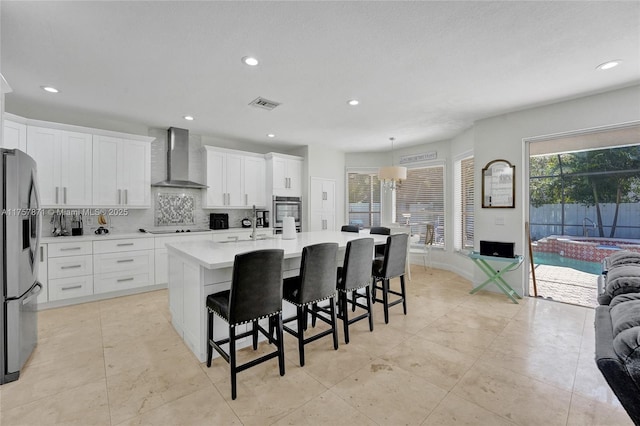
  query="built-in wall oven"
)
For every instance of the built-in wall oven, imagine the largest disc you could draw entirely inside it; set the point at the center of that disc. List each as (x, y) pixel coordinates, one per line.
(286, 206)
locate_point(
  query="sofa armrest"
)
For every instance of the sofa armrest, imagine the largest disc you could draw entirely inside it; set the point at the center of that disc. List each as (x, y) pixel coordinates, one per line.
(612, 368)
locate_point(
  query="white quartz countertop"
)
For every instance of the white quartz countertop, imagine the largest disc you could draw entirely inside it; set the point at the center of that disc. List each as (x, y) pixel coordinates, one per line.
(212, 255)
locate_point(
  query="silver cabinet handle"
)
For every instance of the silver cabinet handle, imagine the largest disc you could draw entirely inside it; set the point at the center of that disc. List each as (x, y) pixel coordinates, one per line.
(232, 238)
(124, 244)
(324, 195)
(73, 287)
(41, 254)
(57, 192)
(124, 261)
(126, 196)
(246, 199)
(71, 267)
(64, 195)
(70, 248)
(121, 280)
(119, 196)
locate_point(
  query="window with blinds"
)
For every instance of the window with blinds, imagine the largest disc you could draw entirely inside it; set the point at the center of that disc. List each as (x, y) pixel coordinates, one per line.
(420, 201)
(466, 203)
(364, 199)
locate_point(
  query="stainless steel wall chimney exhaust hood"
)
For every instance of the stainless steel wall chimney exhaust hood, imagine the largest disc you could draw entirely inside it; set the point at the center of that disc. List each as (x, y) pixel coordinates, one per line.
(178, 161)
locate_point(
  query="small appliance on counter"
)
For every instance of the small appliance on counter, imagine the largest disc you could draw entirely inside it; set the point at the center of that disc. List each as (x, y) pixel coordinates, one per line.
(246, 222)
(265, 218)
(76, 224)
(219, 221)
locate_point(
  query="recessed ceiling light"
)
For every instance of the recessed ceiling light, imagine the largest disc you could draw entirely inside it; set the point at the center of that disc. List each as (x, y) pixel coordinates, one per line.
(251, 61)
(50, 89)
(608, 65)
(188, 117)
(271, 135)
(353, 102)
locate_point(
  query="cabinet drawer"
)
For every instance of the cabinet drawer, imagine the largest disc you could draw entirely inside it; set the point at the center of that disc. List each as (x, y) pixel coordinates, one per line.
(130, 244)
(161, 241)
(66, 288)
(70, 266)
(125, 261)
(69, 249)
(120, 281)
(232, 236)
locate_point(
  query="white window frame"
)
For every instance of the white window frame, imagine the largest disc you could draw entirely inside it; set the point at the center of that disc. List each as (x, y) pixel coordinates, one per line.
(457, 201)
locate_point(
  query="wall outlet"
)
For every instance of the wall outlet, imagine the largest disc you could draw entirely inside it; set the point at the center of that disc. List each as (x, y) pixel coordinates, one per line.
(500, 220)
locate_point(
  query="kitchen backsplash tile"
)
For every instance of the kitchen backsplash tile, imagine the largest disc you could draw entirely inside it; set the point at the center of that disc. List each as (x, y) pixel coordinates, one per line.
(174, 209)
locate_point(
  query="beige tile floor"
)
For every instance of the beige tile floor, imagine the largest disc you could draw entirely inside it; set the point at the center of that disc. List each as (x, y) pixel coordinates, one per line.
(454, 359)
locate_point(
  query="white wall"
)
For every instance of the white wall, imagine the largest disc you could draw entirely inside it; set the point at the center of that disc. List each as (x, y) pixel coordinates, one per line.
(328, 163)
(502, 137)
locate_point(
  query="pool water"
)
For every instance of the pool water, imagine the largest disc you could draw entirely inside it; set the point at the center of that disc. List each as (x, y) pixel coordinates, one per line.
(554, 259)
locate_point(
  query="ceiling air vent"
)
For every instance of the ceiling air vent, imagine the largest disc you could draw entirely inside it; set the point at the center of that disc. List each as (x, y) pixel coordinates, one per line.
(264, 103)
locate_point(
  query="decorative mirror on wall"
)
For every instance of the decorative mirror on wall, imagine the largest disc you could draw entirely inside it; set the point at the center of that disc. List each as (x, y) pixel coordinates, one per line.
(498, 185)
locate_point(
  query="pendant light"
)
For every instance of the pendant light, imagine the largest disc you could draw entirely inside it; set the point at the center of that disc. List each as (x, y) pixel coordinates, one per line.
(391, 175)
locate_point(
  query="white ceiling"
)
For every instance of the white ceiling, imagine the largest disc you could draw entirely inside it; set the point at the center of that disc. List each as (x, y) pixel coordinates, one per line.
(423, 71)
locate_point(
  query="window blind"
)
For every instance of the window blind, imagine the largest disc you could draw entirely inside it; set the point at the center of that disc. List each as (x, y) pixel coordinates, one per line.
(420, 201)
(466, 202)
(364, 199)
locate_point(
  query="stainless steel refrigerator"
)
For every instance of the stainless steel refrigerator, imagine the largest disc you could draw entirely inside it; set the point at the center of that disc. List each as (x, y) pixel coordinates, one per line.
(20, 236)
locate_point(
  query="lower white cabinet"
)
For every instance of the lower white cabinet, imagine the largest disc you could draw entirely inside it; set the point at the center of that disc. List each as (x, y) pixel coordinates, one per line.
(122, 264)
(161, 261)
(67, 288)
(69, 269)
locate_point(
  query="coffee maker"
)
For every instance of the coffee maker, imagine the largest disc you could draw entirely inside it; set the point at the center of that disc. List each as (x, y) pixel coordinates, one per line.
(265, 215)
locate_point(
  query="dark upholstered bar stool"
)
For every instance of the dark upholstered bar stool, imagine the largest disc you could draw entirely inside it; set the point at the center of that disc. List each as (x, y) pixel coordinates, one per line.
(380, 230)
(256, 293)
(316, 283)
(393, 265)
(349, 228)
(353, 275)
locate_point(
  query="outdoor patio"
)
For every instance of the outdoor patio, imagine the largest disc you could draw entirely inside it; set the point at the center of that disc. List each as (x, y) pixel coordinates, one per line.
(565, 285)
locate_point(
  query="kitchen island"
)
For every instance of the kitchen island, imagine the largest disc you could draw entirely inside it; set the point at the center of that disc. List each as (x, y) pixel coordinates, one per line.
(200, 268)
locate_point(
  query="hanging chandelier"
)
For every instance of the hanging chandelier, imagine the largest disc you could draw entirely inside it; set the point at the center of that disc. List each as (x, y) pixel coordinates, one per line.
(390, 176)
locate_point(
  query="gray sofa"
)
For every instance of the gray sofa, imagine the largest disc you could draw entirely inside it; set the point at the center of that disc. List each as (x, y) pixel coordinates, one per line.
(617, 324)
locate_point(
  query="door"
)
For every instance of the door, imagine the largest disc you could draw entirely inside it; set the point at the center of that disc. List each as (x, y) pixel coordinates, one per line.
(75, 173)
(15, 136)
(135, 175)
(254, 181)
(105, 170)
(294, 173)
(233, 180)
(279, 167)
(43, 145)
(215, 178)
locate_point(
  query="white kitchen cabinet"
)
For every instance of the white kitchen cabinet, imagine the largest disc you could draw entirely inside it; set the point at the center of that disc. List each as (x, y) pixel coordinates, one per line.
(14, 135)
(122, 264)
(322, 221)
(64, 161)
(70, 270)
(254, 181)
(121, 172)
(322, 204)
(43, 275)
(284, 174)
(235, 179)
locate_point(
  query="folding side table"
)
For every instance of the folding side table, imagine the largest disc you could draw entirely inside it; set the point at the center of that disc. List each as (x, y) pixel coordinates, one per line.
(495, 275)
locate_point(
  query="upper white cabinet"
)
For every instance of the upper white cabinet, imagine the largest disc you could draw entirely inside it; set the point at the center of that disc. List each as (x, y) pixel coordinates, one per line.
(235, 179)
(322, 204)
(121, 172)
(284, 174)
(63, 161)
(14, 136)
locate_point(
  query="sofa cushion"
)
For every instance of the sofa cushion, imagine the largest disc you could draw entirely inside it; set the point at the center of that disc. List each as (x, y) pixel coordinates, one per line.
(627, 345)
(623, 257)
(622, 298)
(625, 315)
(621, 280)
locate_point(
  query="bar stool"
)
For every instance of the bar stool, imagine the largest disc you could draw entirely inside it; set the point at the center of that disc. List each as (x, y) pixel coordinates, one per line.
(349, 228)
(316, 283)
(352, 276)
(378, 254)
(393, 265)
(255, 293)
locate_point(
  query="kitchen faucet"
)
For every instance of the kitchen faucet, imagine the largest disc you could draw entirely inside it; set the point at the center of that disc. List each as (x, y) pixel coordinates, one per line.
(585, 231)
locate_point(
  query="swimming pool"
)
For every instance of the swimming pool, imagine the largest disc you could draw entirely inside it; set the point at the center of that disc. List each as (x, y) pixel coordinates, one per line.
(554, 259)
